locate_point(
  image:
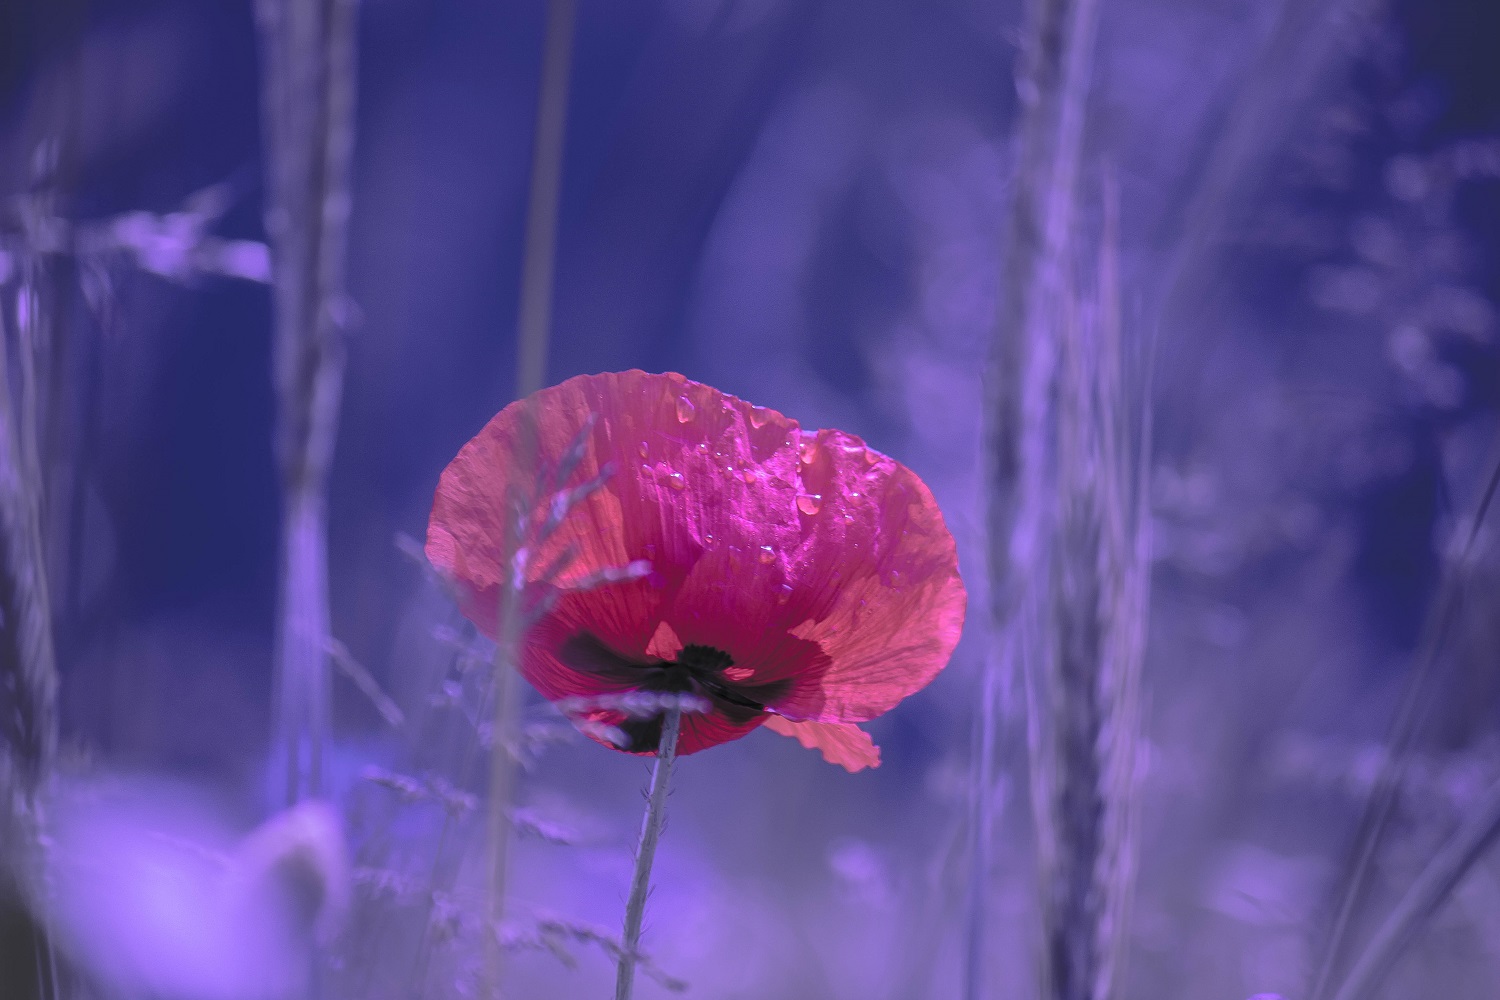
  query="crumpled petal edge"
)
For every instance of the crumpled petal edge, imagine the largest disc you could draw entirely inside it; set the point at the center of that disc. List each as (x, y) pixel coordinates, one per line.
(841, 743)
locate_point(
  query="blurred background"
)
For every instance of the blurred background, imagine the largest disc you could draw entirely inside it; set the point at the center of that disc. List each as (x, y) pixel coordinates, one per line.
(803, 203)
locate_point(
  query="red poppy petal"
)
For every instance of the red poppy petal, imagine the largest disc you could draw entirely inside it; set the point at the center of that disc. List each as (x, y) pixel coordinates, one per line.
(844, 744)
(880, 581)
(868, 574)
(818, 565)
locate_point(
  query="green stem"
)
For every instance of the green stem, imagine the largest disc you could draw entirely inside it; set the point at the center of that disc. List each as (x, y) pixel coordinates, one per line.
(640, 882)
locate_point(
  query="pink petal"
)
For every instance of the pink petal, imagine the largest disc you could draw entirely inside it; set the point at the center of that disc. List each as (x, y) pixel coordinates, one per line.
(846, 745)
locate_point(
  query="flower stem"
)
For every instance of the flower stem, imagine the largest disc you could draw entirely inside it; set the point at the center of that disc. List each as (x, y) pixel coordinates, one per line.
(640, 882)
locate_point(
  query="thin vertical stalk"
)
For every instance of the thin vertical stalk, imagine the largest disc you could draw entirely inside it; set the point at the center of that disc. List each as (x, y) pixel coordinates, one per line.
(503, 765)
(308, 104)
(981, 826)
(540, 259)
(645, 855)
(534, 324)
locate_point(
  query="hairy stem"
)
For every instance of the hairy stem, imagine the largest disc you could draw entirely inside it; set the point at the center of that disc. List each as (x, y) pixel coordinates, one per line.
(640, 882)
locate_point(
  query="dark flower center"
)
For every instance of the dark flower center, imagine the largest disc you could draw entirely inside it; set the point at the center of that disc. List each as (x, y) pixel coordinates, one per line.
(697, 670)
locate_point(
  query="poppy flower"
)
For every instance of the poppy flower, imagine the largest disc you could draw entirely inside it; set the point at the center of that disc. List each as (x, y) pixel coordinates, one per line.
(798, 579)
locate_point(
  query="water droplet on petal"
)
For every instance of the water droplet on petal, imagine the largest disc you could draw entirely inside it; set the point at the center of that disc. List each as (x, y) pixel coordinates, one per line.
(685, 409)
(766, 554)
(748, 475)
(758, 416)
(810, 503)
(703, 447)
(870, 457)
(708, 539)
(784, 594)
(676, 481)
(642, 450)
(808, 451)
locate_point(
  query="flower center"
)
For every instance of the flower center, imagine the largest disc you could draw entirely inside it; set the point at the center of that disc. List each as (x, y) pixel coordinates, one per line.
(697, 670)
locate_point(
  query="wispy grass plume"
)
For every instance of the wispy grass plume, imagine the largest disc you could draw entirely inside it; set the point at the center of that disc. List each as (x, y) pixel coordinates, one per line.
(1021, 393)
(1084, 675)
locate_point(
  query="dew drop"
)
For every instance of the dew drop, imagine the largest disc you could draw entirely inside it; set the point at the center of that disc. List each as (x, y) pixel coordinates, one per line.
(748, 475)
(758, 416)
(685, 409)
(894, 580)
(766, 555)
(870, 457)
(784, 594)
(708, 540)
(642, 450)
(810, 503)
(703, 447)
(676, 481)
(808, 451)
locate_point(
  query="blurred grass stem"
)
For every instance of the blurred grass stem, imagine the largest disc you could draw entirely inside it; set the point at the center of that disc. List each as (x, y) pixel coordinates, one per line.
(1425, 897)
(308, 98)
(28, 666)
(645, 855)
(28, 661)
(534, 322)
(1349, 892)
